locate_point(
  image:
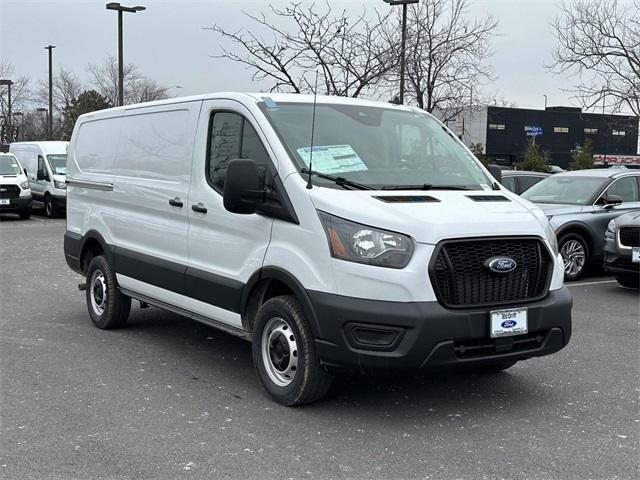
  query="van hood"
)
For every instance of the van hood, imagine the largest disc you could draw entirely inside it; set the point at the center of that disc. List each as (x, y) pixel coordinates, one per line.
(446, 214)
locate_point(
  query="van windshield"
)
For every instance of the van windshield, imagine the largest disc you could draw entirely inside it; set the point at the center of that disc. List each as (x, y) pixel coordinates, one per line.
(374, 146)
(58, 163)
(9, 165)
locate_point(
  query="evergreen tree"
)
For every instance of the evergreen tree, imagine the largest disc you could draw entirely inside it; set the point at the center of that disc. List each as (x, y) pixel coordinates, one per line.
(534, 160)
(582, 158)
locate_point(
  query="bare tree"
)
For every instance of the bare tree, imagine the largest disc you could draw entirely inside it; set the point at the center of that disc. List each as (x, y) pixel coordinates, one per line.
(137, 87)
(447, 55)
(350, 54)
(20, 91)
(66, 88)
(599, 45)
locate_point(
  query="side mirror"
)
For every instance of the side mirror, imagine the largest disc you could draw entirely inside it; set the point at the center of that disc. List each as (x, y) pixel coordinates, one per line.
(242, 187)
(496, 171)
(612, 200)
(40, 174)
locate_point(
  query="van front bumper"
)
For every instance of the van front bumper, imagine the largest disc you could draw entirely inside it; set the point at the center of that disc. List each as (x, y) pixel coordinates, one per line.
(372, 336)
(17, 203)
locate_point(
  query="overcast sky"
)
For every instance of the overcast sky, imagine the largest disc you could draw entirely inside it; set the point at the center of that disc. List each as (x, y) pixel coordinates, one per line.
(169, 45)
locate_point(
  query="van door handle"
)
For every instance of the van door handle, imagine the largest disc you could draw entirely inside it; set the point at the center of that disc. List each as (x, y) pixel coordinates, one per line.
(176, 202)
(200, 208)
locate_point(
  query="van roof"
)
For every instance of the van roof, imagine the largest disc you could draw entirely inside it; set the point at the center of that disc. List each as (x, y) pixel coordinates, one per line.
(256, 97)
(51, 147)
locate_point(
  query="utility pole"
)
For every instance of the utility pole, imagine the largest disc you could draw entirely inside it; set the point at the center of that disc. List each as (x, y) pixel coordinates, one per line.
(120, 9)
(8, 128)
(50, 48)
(404, 4)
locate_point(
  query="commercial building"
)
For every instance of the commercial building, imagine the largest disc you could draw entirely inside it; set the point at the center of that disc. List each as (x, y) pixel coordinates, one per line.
(504, 132)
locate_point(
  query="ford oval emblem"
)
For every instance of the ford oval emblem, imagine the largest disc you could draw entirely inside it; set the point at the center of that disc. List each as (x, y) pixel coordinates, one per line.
(508, 324)
(501, 264)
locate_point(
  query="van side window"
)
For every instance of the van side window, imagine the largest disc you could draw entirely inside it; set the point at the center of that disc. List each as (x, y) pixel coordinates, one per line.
(232, 137)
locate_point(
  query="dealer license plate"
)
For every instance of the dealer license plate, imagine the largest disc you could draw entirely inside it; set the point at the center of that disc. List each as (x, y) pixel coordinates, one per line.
(506, 323)
(635, 255)
(4, 201)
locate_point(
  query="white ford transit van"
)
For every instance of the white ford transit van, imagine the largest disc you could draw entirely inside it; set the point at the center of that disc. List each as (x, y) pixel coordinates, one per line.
(373, 242)
(46, 166)
(15, 194)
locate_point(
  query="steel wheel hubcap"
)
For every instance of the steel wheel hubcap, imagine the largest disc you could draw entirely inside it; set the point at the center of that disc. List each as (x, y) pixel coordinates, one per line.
(574, 255)
(279, 351)
(98, 292)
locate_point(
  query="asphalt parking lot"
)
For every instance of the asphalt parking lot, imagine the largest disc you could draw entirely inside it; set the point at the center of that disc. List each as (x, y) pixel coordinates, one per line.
(168, 398)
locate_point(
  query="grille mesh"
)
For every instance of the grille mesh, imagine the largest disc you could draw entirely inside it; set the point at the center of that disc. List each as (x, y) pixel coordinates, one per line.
(9, 191)
(630, 236)
(461, 279)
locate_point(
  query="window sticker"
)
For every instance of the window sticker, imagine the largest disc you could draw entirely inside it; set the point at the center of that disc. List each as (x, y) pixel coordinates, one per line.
(331, 159)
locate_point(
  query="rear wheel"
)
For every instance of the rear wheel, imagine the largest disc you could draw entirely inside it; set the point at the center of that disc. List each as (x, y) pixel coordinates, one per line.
(25, 213)
(108, 308)
(575, 255)
(284, 353)
(628, 280)
(49, 207)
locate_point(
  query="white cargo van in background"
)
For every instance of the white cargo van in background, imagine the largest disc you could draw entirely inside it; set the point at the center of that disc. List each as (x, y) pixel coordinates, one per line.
(373, 243)
(46, 166)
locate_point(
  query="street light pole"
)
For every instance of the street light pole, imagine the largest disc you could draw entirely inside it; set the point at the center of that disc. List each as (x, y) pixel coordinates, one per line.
(9, 130)
(404, 4)
(545, 101)
(120, 9)
(50, 48)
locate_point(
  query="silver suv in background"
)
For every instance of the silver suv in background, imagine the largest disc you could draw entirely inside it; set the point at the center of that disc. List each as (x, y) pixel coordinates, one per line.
(622, 249)
(580, 205)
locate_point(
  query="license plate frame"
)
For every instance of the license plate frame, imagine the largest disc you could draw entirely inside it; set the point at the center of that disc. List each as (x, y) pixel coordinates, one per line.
(500, 322)
(4, 201)
(635, 254)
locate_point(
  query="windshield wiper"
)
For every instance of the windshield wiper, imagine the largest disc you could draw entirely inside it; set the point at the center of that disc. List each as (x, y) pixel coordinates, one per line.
(424, 186)
(343, 182)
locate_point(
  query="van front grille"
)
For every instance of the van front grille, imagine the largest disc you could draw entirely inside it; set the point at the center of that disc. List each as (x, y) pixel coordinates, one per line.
(9, 191)
(630, 236)
(461, 278)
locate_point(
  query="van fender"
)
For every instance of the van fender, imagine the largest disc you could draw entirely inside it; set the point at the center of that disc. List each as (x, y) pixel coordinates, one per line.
(288, 279)
(94, 235)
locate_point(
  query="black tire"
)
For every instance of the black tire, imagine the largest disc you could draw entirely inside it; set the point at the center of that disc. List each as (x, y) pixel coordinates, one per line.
(311, 381)
(25, 214)
(628, 280)
(50, 209)
(496, 367)
(565, 244)
(113, 311)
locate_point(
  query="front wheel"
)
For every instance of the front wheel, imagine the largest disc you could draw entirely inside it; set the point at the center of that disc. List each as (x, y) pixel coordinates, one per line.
(25, 214)
(575, 255)
(49, 207)
(108, 308)
(284, 353)
(628, 280)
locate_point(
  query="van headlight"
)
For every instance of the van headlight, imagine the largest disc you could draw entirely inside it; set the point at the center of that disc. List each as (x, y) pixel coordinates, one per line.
(552, 239)
(363, 244)
(25, 185)
(60, 184)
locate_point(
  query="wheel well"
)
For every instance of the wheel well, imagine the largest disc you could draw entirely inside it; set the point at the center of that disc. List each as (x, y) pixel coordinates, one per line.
(583, 232)
(260, 293)
(90, 249)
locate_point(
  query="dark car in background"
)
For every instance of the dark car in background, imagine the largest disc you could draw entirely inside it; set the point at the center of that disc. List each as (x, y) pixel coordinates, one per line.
(519, 181)
(580, 205)
(622, 249)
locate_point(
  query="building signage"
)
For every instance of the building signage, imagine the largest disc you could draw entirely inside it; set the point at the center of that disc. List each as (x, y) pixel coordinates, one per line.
(617, 159)
(533, 130)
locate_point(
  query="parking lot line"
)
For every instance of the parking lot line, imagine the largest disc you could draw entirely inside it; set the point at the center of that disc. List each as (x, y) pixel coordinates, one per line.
(590, 283)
